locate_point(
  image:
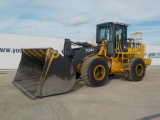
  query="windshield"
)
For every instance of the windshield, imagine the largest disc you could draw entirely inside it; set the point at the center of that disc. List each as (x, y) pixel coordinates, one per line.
(105, 34)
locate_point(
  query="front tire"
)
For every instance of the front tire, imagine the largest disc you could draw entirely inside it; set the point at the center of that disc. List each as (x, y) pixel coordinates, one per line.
(111, 75)
(95, 71)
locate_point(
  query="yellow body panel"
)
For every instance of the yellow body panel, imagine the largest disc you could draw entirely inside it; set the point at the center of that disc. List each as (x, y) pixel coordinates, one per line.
(116, 66)
(147, 61)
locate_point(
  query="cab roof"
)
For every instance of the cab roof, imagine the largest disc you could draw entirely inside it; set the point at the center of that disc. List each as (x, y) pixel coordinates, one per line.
(115, 23)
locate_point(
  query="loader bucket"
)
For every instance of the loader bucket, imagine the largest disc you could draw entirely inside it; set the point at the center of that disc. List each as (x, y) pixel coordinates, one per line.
(44, 72)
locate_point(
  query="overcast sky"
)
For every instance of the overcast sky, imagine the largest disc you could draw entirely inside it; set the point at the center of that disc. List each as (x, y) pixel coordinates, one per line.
(78, 18)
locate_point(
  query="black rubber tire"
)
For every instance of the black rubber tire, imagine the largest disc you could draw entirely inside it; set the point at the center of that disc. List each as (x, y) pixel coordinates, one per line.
(125, 75)
(78, 75)
(111, 75)
(134, 63)
(87, 71)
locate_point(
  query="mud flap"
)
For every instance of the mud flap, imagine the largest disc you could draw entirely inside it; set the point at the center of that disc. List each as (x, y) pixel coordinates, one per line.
(44, 72)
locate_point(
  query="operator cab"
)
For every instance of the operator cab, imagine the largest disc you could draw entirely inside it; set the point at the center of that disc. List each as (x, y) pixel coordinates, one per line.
(112, 32)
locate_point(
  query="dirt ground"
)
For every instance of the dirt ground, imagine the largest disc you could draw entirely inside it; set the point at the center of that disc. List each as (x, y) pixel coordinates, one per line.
(118, 100)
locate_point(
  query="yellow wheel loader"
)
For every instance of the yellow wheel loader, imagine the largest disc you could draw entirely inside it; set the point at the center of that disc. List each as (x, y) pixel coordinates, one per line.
(44, 72)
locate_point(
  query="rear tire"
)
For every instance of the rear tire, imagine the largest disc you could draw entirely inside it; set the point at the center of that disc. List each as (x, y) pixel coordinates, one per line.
(137, 69)
(95, 72)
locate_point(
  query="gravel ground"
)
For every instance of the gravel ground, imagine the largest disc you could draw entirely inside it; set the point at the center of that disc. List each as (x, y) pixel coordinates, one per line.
(118, 100)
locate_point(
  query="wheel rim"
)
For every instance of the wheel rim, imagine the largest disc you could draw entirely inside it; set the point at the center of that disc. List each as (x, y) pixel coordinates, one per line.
(99, 72)
(139, 70)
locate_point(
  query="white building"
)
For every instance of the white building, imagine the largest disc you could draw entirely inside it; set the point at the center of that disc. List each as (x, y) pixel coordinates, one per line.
(11, 45)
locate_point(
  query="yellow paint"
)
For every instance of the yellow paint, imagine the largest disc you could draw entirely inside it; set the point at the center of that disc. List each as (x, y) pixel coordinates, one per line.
(139, 70)
(78, 69)
(103, 50)
(50, 55)
(147, 61)
(117, 65)
(99, 72)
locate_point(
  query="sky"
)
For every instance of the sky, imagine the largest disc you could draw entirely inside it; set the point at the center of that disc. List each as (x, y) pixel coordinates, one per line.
(78, 18)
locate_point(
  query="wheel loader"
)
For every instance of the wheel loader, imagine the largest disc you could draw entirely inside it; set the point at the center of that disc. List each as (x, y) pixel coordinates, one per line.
(44, 72)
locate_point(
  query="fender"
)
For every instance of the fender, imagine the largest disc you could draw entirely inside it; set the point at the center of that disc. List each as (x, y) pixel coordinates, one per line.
(83, 53)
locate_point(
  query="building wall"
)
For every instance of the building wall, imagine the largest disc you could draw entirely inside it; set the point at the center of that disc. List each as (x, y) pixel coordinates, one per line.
(153, 52)
(11, 45)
